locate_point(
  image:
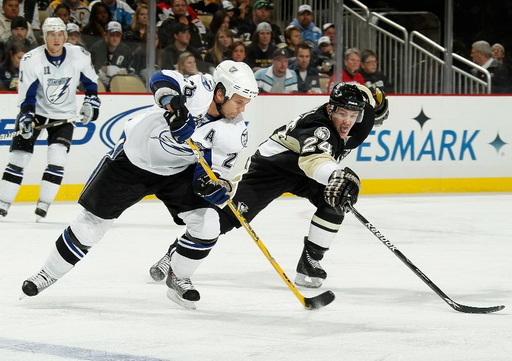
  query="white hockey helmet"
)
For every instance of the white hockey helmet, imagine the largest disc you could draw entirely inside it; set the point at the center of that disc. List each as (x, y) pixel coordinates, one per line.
(237, 78)
(54, 24)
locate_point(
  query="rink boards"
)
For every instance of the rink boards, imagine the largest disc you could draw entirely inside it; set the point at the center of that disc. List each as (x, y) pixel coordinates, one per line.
(428, 143)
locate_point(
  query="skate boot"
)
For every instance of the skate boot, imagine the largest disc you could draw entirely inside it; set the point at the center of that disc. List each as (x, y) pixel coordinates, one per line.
(4, 207)
(41, 210)
(160, 269)
(309, 270)
(181, 291)
(37, 283)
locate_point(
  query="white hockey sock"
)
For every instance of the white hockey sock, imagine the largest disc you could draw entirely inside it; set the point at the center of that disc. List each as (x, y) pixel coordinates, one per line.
(55, 265)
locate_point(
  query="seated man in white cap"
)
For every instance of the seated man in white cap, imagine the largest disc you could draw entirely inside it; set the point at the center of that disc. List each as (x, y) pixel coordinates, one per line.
(260, 51)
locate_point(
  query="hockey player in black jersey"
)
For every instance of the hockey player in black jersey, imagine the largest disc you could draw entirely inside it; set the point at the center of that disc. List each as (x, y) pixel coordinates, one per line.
(303, 158)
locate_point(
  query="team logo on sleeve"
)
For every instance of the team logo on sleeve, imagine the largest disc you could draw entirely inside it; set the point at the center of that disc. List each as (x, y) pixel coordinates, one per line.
(322, 133)
(57, 90)
(245, 138)
(207, 83)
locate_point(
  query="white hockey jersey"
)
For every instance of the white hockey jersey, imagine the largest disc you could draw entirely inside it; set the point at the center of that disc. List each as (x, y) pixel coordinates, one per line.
(52, 89)
(150, 146)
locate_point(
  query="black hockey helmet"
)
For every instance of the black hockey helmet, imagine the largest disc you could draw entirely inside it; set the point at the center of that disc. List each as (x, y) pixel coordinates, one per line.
(347, 96)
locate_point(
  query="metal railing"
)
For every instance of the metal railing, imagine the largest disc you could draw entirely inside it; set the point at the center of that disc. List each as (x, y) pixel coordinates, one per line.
(413, 62)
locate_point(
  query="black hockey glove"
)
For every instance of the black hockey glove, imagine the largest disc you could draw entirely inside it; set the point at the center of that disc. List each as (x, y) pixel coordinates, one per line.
(90, 108)
(343, 187)
(180, 122)
(213, 192)
(25, 124)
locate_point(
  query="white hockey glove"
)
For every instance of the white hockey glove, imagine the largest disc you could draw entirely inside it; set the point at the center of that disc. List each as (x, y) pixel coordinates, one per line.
(214, 192)
(90, 108)
(343, 187)
(26, 124)
(181, 123)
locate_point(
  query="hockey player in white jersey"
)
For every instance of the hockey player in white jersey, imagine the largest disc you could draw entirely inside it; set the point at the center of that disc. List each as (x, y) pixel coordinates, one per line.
(152, 158)
(49, 77)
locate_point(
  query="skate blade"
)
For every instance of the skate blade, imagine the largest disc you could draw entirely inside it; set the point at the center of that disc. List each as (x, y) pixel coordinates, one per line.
(173, 296)
(306, 281)
(22, 296)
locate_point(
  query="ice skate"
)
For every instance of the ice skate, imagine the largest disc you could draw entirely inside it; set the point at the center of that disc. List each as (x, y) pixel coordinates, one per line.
(181, 291)
(41, 210)
(160, 269)
(309, 271)
(36, 284)
(4, 207)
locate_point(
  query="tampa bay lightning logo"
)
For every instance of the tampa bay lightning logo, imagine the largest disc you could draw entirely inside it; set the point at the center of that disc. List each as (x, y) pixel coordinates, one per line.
(207, 83)
(171, 146)
(245, 138)
(57, 90)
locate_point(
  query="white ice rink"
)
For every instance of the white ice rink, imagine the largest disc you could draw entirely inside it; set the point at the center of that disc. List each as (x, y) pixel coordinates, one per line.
(106, 309)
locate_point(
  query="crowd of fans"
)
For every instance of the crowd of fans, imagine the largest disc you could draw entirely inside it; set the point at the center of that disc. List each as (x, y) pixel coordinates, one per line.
(115, 32)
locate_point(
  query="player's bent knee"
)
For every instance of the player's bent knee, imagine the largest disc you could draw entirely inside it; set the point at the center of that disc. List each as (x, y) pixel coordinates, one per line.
(89, 229)
(202, 223)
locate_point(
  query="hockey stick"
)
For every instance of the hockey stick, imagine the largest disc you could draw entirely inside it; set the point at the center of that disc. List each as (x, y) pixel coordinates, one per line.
(44, 126)
(456, 306)
(310, 303)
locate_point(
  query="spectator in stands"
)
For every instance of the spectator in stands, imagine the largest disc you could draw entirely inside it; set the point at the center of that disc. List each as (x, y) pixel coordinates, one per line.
(329, 30)
(372, 76)
(220, 20)
(277, 78)
(170, 54)
(324, 57)
(260, 51)
(307, 76)
(261, 12)
(19, 32)
(74, 36)
(63, 11)
(80, 11)
(481, 54)
(165, 10)
(242, 12)
(120, 11)
(110, 56)
(219, 52)
(10, 10)
(187, 64)
(498, 53)
(179, 14)
(10, 67)
(237, 51)
(350, 73)
(304, 20)
(292, 37)
(137, 33)
(97, 26)
(140, 56)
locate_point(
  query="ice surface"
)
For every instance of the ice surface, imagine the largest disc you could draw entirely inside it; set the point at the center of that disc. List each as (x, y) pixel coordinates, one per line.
(107, 308)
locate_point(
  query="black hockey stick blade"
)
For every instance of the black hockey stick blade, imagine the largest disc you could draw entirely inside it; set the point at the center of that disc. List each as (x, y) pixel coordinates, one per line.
(314, 303)
(471, 309)
(456, 306)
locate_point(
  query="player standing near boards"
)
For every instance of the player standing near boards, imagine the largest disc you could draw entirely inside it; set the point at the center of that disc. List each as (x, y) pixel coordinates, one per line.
(49, 77)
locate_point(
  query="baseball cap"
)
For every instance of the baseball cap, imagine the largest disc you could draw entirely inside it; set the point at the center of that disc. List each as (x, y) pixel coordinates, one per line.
(228, 5)
(114, 27)
(72, 28)
(324, 40)
(304, 8)
(280, 52)
(327, 26)
(19, 22)
(262, 3)
(263, 26)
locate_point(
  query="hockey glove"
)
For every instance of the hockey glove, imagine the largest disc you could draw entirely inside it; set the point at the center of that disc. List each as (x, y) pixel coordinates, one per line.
(343, 187)
(381, 105)
(90, 108)
(26, 124)
(213, 192)
(181, 123)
